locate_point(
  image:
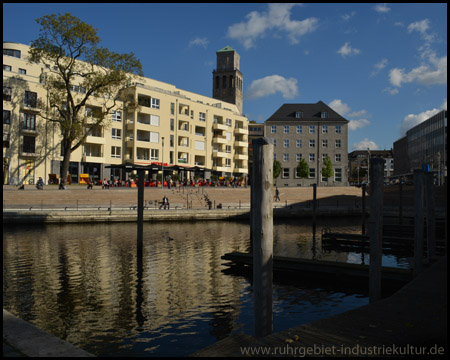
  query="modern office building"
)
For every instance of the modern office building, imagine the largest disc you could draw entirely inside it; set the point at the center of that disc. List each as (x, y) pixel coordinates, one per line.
(154, 122)
(426, 148)
(312, 132)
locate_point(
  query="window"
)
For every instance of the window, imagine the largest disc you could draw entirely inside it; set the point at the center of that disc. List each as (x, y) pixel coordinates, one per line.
(274, 143)
(286, 157)
(116, 116)
(154, 120)
(116, 151)
(298, 114)
(154, 137)
(286, 129)
(311, 129)
(228, 163)
(29, 144)
(324, 143)
(286, 143)
(172, 124)
(116, 133)
(7, 67)
(11, 52)
(199, 145)
(28, 121)
(7, 92)
(6, 117)
(228, 122)
(155, 103)
(273, 129)
(285, 173)
(324, 115)
(30, 99)
(324, 129)
(202, 116)
(22, 71)
(298, 157)
(154, 154)
(324, 156)
(338, 158)
(338, 129)
(312, 173)
(298, 143)
(227, 149)
(338, 175)
(274, 156)
(299, 129)
(312, 157)
(312, 143)
(338, 143)
(172, 109)
(144, 100)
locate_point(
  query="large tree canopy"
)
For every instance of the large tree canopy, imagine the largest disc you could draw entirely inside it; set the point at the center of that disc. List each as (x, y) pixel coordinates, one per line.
(78, 69)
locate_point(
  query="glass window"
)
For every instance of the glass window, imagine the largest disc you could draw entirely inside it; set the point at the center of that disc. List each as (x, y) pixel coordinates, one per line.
(299, 129)
(116, 151)
(202, 116)
(22, 71)
(7, 92)
(29, 144)
(324, 129)
(338, 157)
(30, 99)
(298, 143)
(286, 129)
(116, 116)
(312, 173)
(324, 143)
(338, 143)
(312, 143)
(324, 115)
(155, 103)
(7, 67)
(285, 157)
(6, 117)
(273, 129)
(286, 143)
(312, 157)
(298, 114)
(285, 174)
(116, 133)
(338, 129)
(337, 174)
(29, 121)
(11, 52)
(311, 129)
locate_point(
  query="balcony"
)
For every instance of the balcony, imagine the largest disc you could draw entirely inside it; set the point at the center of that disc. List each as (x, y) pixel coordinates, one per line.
(219, 139)
(240, 131)
(241, 144)
(218, 126)
(240, 157)
(220, 154)
(94, 140)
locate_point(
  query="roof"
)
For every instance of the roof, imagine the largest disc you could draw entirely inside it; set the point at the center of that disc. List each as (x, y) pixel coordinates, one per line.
(287, 112)
(226, 48)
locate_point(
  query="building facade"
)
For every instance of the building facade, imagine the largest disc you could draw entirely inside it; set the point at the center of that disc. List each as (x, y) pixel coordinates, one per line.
(154, 122)
(311, 132)
(358, 160)
(426, 148)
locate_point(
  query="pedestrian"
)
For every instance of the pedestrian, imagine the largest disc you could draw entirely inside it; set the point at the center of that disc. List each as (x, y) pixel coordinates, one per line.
(40, 184)
(105, 184)
(89, 185)
(165, 202)
(277, 194)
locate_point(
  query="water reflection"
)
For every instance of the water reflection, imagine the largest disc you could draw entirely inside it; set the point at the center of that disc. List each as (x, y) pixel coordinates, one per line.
(84, 283)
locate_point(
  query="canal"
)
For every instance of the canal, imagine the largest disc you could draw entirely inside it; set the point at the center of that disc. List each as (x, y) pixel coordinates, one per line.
(80, 283)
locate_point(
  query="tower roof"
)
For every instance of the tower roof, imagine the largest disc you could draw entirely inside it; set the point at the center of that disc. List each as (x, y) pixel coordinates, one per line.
(226, 48)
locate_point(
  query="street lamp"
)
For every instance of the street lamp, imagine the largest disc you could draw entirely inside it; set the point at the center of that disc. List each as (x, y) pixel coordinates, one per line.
(162, 162)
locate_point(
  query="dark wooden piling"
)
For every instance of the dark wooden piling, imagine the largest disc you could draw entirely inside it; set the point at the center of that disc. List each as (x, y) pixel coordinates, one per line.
(363, 221)
(431, 222)
(262, 235)
(418, 221)
(376, 227)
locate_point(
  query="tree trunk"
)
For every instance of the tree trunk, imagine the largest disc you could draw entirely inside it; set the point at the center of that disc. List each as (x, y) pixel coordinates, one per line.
(66, 160)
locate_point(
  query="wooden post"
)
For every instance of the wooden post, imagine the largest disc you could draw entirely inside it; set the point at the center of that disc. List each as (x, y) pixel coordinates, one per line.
(363, 221)
(314, 206)
(431, 242)
(376, 227)
(418, 221)
(262, 233)
(140, 217)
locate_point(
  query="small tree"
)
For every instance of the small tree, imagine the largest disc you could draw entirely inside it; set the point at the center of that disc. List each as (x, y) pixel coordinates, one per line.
(78, 70)
(302, 170)
(276, 169)
(327, 170)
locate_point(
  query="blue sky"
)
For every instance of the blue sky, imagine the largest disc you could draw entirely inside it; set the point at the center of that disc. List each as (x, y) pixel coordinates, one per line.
(381, 66)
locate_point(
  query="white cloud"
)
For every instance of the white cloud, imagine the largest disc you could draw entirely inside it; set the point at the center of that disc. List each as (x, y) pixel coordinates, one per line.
(412, 120)
(392, 91)
(347, 17)
(433, 73)
(422, 28)
(269, 85)
(278, 18)
(382, 8)
(343, 109)
(365, 144)
(199, 42)
(347, 50)
(338, 106)
(379, 66)
(356, 124)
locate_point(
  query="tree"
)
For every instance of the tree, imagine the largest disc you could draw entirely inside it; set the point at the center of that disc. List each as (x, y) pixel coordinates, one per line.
(302, 169)
(78, 70)
(327, 170)
(276, 169)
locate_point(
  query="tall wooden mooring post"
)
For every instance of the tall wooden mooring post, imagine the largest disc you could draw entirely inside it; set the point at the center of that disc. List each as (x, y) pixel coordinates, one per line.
(262, 235)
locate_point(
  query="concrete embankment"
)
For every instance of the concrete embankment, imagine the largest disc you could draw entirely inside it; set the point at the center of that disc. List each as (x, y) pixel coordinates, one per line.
(24, 339)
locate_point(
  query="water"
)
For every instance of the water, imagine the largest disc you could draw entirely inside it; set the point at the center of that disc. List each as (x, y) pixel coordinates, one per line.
(79, 282)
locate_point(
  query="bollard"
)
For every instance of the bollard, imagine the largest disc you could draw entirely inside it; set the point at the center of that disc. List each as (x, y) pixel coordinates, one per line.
(376, 227)
(262, 233)
(431, 240)
(418, 221)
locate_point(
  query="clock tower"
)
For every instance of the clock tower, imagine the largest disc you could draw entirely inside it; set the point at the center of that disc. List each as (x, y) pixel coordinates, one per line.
(227, 78)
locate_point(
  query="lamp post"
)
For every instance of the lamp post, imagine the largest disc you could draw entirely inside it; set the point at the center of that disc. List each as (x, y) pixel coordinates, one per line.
(162, 162)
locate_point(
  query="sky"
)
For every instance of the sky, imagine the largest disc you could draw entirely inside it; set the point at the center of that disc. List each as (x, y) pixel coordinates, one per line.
(383, 67)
